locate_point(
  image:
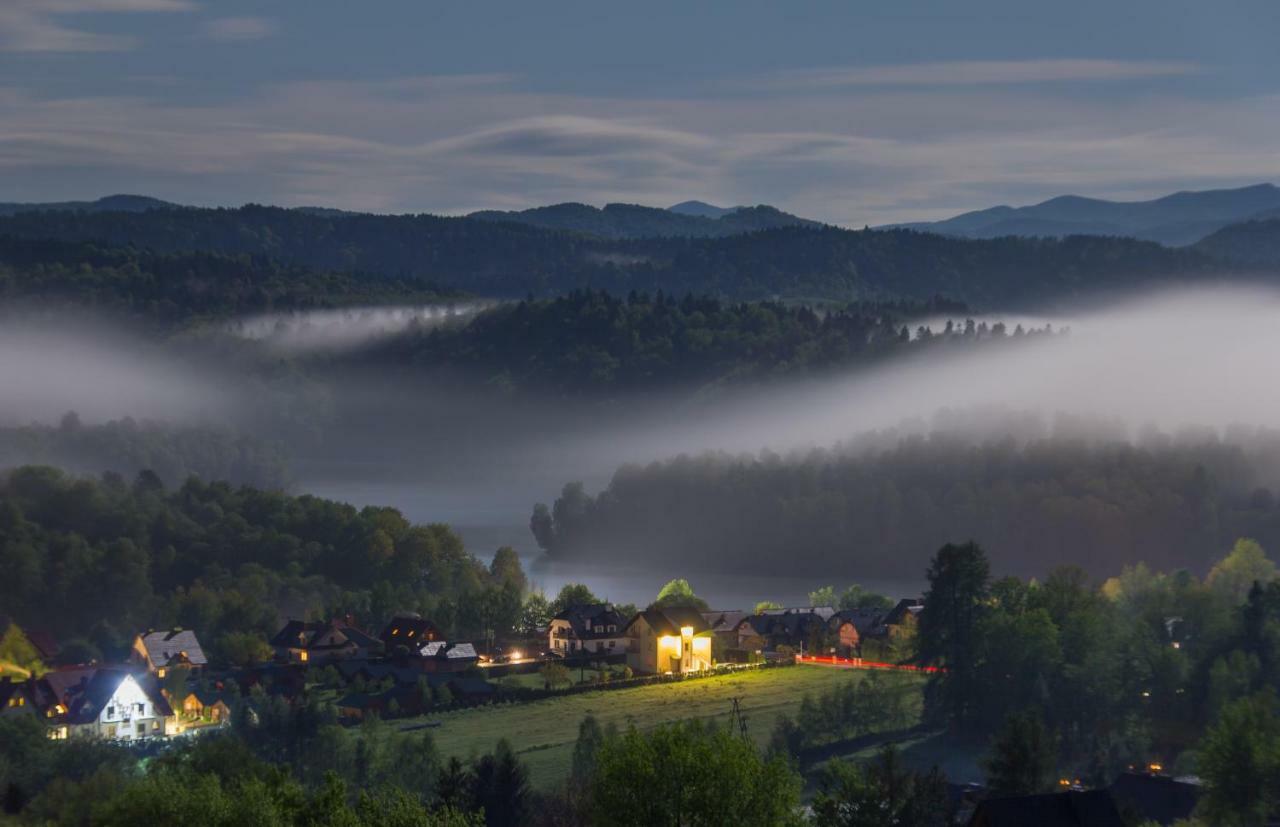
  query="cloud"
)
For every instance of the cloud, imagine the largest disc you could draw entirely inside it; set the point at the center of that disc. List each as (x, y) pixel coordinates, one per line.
(239, 28)
(980, 72)
(455, 143)
(36, 25)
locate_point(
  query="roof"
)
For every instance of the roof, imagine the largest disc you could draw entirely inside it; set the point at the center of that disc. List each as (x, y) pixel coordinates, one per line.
(669, 620)
(824, 612)
(864, 620)
(787, 624)
(1157, 798)
(585, 617)
(1092, 808)
(724, 621)
(311, 634)
(444, 650)
(173, 646)
(905, 606)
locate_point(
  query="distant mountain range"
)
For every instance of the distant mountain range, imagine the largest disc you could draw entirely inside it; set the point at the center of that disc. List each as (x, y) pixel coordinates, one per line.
(110, 203)
(1175, 220)
(690, 219)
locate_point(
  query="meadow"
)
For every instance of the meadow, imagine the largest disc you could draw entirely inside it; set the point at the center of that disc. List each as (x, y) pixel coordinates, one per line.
(542, 733)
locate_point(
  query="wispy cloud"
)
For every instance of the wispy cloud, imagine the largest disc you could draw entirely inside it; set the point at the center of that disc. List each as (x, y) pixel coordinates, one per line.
(38, 25)
(457, 143)
(239, 28)
(979, 72)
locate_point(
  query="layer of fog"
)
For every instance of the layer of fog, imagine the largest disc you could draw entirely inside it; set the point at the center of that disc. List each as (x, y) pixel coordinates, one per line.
(1190, 358)
(66, 362)
(479, 461)
(346, 328)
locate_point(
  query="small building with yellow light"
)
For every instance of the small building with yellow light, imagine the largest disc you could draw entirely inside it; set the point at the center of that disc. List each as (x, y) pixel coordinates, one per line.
(671, 640)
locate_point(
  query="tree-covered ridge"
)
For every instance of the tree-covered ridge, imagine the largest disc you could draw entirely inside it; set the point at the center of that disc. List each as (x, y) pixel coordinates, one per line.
(634, 221)
(512, 260)
(592, 341)
(94, 561)
(1040, 503)
(1248, 244)
(172, 452)
(174, 286)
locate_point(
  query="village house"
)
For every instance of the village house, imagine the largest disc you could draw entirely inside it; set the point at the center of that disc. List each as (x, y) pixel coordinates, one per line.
(322, 641)
(102, 702)
(902, 619)
(16, 698)
(670, 640)
(209, 705)
(851, 627)
(409, 631)
(442, 656)
(158, 652)
(595, 628)
(799, 629)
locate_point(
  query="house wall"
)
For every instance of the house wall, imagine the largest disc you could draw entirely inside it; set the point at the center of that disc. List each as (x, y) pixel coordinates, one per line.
(658, 654)
(128, 716)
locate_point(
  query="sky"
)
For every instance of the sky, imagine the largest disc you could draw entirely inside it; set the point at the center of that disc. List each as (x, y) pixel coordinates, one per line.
(847, 112)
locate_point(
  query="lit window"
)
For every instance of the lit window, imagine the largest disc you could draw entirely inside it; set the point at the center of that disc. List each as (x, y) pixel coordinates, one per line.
(160, 672)
(302, 656)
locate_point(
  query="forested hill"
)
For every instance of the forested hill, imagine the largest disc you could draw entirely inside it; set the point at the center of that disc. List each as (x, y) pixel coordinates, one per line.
(1251, 244)
(634, 221)
(592, 342)
(174, 287)
(1048, 502)
(512, 260)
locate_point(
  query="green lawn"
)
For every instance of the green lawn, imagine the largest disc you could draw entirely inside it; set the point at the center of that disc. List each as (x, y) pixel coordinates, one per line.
(543, 732)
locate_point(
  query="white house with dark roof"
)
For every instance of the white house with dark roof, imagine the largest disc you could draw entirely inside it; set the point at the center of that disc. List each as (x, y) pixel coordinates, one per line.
(107, 703)
(594, 628)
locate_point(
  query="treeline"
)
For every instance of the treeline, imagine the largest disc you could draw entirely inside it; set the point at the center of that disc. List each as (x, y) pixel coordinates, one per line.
(592, 341)
(94, 561)
(171, 452)
(507, 259)
(635, 221)
(178, 284)
(1039, 502)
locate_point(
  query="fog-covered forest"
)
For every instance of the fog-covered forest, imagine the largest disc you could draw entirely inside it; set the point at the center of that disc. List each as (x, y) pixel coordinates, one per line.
(1172, 502)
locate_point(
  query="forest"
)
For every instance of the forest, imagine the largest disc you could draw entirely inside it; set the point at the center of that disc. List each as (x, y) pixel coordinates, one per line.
(167, 289)
(129, 447)
(1037, 503)
(510, 260)
(115, 556)
(590, 341)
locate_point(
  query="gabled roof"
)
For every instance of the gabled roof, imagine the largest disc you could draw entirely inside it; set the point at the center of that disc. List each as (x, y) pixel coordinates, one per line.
(1093, 808)
(824, 612)
(310, 634)
(173, 646)
(864, 620)
(904, 607)
(724, 621)
(669, 620)
(443, 650)
(1157, 798)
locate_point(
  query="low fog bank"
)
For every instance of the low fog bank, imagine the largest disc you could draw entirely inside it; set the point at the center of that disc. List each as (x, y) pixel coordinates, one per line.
(70, 362)
(346, 328)
(1173, 360)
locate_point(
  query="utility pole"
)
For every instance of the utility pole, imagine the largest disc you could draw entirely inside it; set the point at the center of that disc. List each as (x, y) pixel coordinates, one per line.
(740, 720)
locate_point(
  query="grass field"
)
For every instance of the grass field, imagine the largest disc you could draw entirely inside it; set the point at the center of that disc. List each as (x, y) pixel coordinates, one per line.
(543, 732)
